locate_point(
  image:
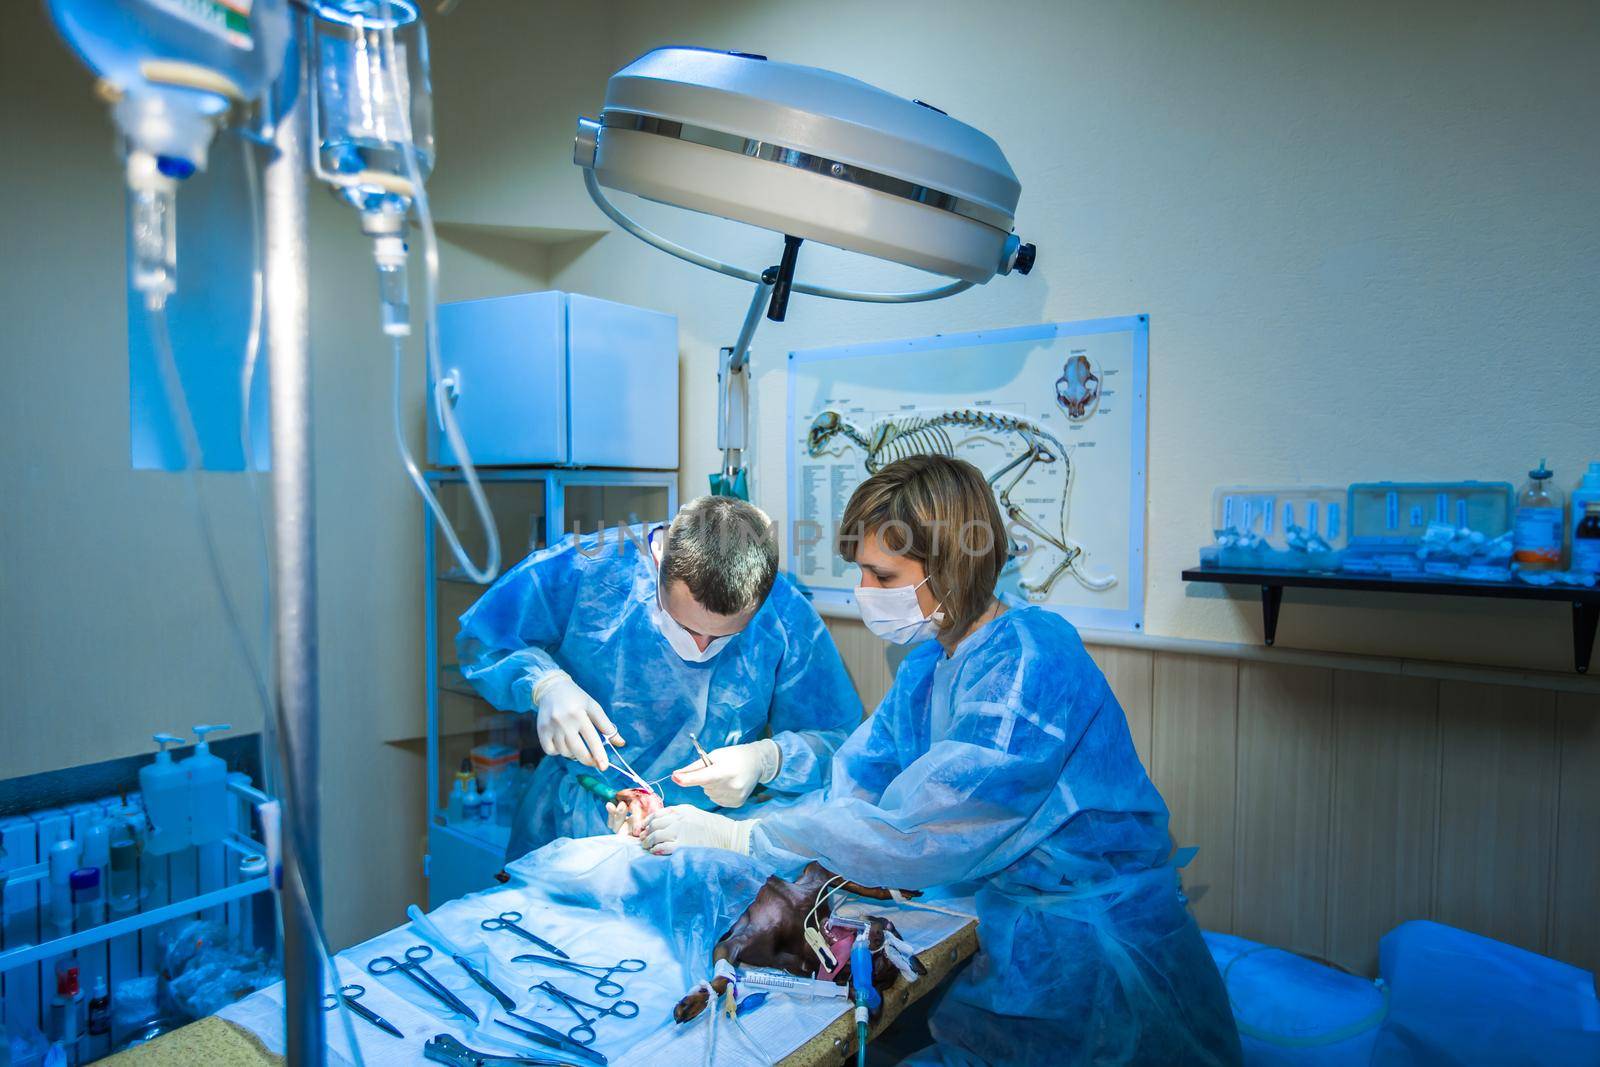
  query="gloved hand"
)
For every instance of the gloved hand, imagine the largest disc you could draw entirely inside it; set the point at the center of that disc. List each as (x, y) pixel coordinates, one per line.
(734, 773)
(686, 826)
(571, 724)
(627, 813)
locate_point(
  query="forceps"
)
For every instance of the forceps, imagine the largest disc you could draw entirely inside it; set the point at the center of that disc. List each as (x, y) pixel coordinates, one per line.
(507, 920)
(351, 994)
(412, 968)
(603, 984)
(622, 1009)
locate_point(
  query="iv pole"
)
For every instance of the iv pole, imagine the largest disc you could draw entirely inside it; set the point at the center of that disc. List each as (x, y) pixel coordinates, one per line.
(288, 345)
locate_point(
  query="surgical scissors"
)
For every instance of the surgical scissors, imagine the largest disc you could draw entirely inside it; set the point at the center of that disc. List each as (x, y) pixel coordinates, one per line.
(622, 1009)
(412, 968)
(351, 994)
(603, 984)
(507, 920)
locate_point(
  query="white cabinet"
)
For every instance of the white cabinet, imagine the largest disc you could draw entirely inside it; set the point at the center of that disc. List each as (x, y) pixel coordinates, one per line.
(560, 379)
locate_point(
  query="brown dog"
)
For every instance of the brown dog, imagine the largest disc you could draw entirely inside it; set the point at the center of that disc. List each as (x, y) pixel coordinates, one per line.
(771, 933)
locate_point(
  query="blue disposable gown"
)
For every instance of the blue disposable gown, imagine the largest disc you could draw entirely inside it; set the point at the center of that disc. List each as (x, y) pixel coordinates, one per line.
(585, 607)
(1008, 766)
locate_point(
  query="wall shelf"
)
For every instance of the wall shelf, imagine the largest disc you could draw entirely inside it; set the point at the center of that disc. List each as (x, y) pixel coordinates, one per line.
(1585, 601)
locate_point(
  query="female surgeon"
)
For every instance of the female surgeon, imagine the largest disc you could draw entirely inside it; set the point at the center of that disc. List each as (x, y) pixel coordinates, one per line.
(999, 764)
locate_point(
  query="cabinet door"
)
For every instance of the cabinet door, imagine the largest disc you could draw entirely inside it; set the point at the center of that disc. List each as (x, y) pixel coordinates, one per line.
(623, 370)
(509, 355)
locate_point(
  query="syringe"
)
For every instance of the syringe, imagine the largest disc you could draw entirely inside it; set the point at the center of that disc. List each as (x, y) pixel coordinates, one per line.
(784, 982)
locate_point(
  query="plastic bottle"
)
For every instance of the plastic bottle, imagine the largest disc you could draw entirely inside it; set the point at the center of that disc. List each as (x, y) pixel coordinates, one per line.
(1540, 526)
(1588, 490)
(88, 905)
(469, 794)
(124, 882)
(64, 1005)
(456, 803)
(208, 790)
(63, 861)
(486, 802)
(98, 1024)
(165, 786)
(1586, 541)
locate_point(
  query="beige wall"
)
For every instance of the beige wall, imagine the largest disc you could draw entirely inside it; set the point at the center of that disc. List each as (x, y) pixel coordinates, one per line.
(109, 627)
(1364, 234)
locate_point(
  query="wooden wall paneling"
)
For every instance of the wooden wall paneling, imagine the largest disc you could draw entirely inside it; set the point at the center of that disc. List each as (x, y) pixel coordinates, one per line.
(1131, 674)
(1574, 919)
(1193, 764)
(1285, 773)
(1385, 810)
(1497, 797)
(864, 657)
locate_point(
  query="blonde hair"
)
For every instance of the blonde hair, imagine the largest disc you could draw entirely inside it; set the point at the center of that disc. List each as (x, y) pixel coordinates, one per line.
(941, 512)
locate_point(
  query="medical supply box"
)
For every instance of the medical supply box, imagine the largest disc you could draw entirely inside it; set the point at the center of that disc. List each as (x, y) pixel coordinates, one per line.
(1399, 513)
(1283, 527)
(559, 379)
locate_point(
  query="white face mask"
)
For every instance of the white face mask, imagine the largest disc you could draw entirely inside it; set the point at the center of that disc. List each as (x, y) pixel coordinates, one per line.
(681, 640)
(895, 615)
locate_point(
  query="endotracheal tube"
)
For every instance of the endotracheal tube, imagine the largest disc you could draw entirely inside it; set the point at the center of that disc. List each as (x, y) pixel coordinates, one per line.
(374, 131)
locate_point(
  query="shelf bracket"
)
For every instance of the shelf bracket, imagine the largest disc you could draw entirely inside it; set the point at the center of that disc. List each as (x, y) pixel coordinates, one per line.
(1271, 601)
(1585, 617)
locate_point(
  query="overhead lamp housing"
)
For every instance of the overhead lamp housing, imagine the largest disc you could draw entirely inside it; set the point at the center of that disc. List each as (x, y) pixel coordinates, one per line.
(809, 154)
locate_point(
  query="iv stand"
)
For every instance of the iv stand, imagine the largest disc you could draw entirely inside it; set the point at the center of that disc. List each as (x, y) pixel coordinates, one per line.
(286, 278)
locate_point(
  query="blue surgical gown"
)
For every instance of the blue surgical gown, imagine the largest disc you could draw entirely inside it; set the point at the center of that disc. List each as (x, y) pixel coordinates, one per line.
(1007, 769)
(584, 606)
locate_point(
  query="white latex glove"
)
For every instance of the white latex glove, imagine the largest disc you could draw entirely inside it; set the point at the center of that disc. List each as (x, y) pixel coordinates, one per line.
(571, 724)
(625, 820)
(686, 826)
(734, 773)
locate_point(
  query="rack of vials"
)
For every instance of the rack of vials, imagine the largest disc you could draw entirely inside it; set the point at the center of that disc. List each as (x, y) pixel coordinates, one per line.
(88, 890)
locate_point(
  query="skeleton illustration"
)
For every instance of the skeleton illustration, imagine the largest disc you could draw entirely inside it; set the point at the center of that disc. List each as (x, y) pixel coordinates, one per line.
(895, 438)
(1078, 387)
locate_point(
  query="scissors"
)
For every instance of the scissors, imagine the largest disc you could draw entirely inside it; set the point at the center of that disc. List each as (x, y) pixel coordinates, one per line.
(507, 920)
(412, 968)
(622, 1009)
(603, 984)
(351, 994)
(540, 1034)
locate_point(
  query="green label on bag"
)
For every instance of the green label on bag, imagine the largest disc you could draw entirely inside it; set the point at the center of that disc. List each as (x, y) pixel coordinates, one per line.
(228, 19)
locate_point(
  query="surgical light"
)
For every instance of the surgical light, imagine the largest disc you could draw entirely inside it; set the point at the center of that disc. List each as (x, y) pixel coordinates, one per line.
(809, 154)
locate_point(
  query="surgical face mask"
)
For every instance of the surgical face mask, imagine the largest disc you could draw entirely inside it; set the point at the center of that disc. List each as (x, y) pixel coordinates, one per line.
(681, 640)
(895, 615)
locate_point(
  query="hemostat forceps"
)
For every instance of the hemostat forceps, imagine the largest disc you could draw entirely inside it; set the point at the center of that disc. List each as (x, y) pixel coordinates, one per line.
(351, 994)
(442, 1048)
(412, 968)
(583, 1033)
(603, 984)
(507, 921)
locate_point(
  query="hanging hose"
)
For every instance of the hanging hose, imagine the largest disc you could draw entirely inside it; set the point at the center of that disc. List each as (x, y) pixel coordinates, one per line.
(438, 383)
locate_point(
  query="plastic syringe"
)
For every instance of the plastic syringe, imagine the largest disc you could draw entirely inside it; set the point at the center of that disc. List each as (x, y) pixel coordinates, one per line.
(784, 982)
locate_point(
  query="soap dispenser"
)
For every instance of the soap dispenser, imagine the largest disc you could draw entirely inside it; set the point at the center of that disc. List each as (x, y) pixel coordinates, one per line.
(166, 799)
(208, 790)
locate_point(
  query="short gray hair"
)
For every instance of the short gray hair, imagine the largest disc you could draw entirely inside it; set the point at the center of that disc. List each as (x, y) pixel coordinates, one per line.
(725, 551)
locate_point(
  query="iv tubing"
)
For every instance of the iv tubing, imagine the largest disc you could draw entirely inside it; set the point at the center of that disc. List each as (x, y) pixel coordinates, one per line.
(446, 416)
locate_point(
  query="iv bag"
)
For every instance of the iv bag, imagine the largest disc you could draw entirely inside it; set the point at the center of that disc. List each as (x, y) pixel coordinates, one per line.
(363, 106)
(177, 65)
